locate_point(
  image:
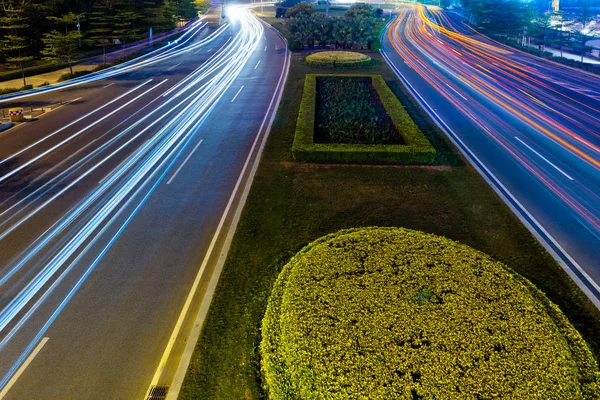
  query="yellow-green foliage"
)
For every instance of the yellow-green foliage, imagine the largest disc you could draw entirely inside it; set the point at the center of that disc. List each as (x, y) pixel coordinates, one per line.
(388, 313)
(338, 59)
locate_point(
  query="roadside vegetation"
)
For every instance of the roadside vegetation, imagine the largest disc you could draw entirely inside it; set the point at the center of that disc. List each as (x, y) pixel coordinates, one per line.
(45, 35)
(422, 317)
(339, 59)
(520, 24)
(305, 27)
(348, 110)
(356, 119)
(292, 204)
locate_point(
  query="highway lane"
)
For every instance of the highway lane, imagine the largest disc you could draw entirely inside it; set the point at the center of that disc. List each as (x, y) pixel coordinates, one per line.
(531, 127)
(113, 304)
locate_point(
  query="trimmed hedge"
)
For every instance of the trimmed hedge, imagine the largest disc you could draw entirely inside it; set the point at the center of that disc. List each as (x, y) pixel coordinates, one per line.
(391, 313)
(76, 74)
(349, 112)
(13, 90)
(417, 149)
(339, 59)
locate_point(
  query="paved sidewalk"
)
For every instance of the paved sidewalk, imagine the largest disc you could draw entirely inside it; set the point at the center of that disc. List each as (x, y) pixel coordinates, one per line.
(50, 77)
(570, 56)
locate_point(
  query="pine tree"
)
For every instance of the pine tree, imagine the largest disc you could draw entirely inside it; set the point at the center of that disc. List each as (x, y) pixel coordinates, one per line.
(101, 25)
(126, 26)
(14, 43)
(62, 47)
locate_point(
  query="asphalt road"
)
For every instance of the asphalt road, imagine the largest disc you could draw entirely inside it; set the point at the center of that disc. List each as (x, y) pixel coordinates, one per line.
(530, 126)
(110, 204)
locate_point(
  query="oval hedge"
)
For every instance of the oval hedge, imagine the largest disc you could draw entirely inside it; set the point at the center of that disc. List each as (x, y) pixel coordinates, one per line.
(388, 313)
(339, 59)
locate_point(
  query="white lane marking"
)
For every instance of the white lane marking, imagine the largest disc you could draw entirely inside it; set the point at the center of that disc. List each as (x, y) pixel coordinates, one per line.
(236, 95)
(198, 51)
(61, 105)
(73, 122)
(256, 66)
(455, 91)
(56, 146)
(545, 159)
(185, 161)
(265, 48)
(110, 84)
(173, 67)
(23, 367)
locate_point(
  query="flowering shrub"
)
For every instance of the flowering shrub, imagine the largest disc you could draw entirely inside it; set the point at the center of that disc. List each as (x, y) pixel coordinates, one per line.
(389, 313)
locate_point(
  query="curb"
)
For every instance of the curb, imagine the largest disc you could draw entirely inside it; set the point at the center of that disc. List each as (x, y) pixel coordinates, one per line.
(6, 126)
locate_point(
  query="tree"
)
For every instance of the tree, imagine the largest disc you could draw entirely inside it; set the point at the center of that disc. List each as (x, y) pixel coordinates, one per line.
(505, 17)
(126, 26)
(186, 9)
(14, 43)
(445, 4)
(585, 29)
(159, 15)
(360, 10)
(62, 47)
(563, 25)
(101, 25)
(300, 8)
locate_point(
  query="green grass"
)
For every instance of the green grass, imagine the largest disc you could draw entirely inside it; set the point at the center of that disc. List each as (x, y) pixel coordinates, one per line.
(292, 204)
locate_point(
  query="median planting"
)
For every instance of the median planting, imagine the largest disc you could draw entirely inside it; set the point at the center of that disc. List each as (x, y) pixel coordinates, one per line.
(391, 313)
(356, 119)
(339, 59)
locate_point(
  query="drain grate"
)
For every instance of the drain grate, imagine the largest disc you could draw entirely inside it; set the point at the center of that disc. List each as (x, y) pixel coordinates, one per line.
(158, 393)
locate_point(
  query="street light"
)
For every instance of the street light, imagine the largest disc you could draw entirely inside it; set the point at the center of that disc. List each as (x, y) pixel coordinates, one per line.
(79, 28)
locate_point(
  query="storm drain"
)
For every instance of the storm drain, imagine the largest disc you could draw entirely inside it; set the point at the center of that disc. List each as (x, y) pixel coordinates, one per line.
(158, 393)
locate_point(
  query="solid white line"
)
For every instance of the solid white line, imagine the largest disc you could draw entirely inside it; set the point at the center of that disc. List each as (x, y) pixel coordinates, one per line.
(545, 159)
(184, 161)
(61, 105)
(173, 67)
(455, 91)
(110, 84)
(23, 367)
(257, 64)
(236, 95)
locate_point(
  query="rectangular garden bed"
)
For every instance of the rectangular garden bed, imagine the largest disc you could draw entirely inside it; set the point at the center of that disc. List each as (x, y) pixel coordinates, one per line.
(356, 119)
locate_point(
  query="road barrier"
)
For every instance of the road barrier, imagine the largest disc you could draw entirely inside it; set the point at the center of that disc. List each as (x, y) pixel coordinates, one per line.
(16, 114)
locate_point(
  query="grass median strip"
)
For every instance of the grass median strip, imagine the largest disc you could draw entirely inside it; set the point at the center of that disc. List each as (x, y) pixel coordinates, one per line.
(292, 204)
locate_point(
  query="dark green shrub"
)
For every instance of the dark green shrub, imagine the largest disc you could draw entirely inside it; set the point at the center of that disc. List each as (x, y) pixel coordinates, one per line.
(76, 74)
(391, 313)
(417, 149)
(349, 111)
(14, 90)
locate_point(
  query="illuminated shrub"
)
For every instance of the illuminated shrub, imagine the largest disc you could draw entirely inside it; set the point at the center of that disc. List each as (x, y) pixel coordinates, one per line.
(338, 59)
(387, 313)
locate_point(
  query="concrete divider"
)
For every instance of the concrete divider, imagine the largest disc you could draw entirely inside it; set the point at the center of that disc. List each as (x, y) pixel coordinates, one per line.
(5, 126)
